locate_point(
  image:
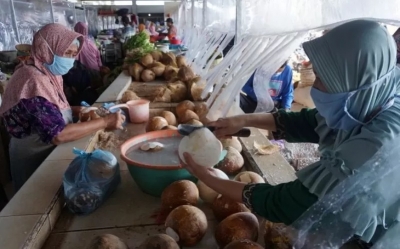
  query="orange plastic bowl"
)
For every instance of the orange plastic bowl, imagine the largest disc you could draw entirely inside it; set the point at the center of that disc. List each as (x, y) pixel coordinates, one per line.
(153, 179)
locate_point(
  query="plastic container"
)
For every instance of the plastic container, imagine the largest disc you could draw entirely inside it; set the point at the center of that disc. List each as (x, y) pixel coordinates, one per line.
(153, 179)
(138, 110)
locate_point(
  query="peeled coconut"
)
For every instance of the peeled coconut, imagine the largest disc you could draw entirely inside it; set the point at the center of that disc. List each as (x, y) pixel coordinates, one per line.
(194, 122)
(170, 117)
(157, 123)
(232, 163)
(183, 106)
(136, 71)
(244, 244)
(158, 68)
(185, 74)
(107, 241)
(207, 194)
(178, 91)
(201, 109)
(237, 226)
(159, 241)
(249, 177)
(128, 96)
(169, 59)
(232, 142)
(183, 192)
(170, 72)
(148, 75)
(196, 91)
(164, 95)
(187, 116)
(223, 207)
(203, 146)
(180, 61)
(170, 127)
(147, 60)
(187, 225)
(87, 113)
(157, 55)
(151, 146)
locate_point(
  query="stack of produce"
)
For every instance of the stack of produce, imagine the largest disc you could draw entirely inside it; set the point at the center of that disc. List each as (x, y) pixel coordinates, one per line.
(181, 83)
(186, 111)
(136, 47)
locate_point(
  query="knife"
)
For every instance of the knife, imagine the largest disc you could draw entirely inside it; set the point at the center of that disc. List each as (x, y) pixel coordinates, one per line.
(185, 130)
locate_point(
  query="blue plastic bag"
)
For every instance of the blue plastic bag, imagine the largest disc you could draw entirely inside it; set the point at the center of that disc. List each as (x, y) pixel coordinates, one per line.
(89, 180)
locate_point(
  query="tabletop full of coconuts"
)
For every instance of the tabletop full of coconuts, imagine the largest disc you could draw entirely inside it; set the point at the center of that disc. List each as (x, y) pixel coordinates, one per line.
(183, 222)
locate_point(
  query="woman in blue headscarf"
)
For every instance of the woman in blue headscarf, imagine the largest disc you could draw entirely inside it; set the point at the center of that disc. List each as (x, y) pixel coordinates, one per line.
(357, 113)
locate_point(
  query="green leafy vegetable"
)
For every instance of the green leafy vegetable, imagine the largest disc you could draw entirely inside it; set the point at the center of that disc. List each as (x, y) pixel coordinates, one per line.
(137, 46)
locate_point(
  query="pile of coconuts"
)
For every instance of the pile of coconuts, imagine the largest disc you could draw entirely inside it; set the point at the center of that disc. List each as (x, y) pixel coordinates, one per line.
(181, 81)
(186, 112)
(187, 224)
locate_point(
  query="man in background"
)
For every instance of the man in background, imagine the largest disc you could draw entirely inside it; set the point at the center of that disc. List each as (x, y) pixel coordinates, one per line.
(280, 90)
(172, 31)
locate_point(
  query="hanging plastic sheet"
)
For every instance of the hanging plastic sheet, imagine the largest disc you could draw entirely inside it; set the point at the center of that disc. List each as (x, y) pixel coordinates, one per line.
(31, 15)
(94, 22)
(8, 38)
(368, 200)
(206, 44)
(64, 13)
(80, 15)
(269, 45)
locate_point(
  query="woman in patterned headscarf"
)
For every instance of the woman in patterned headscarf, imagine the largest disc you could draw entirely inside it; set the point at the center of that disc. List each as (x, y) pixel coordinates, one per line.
(90, 54)
(35, 110)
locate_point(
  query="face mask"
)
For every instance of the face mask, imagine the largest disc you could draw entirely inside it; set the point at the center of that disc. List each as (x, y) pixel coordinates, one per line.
(60, 65)
(333, 106)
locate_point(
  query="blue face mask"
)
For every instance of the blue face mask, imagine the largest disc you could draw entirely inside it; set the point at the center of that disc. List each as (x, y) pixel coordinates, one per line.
(60, 65)
(333, 107)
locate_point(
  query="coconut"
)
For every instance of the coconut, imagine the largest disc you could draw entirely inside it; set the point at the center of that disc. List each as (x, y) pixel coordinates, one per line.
(206, 193)
(178, 91)
(232, 163)
(107, 241)
(183, 192)
(232, 142)
(157, 123)
(180, 61)
(187, 116)
(147, 60)
(128, 96)
(170, 72)
(223, 207)
(185, 74)
(170, 117)
(187, 225)
(151, 146)
(237, 226)
(196, 91)
(203, 146)
(194, 122)
(86, 113)
(93, 115)
(157, 55)
(183, 106)
(136, 71)
(244, 244)
(159, 241)
(158, 68)
(169, 59)
(276, 236)
(201, 109)
(148, 75)
(164, 95)
(249, 177)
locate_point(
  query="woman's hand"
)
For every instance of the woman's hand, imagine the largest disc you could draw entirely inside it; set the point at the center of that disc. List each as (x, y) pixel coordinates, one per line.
(228, 126)
(76, 110)
(228, 188)
(195, 169)
(114, 121)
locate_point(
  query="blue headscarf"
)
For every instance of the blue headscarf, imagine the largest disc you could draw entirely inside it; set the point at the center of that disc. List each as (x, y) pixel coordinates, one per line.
(352, 56)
